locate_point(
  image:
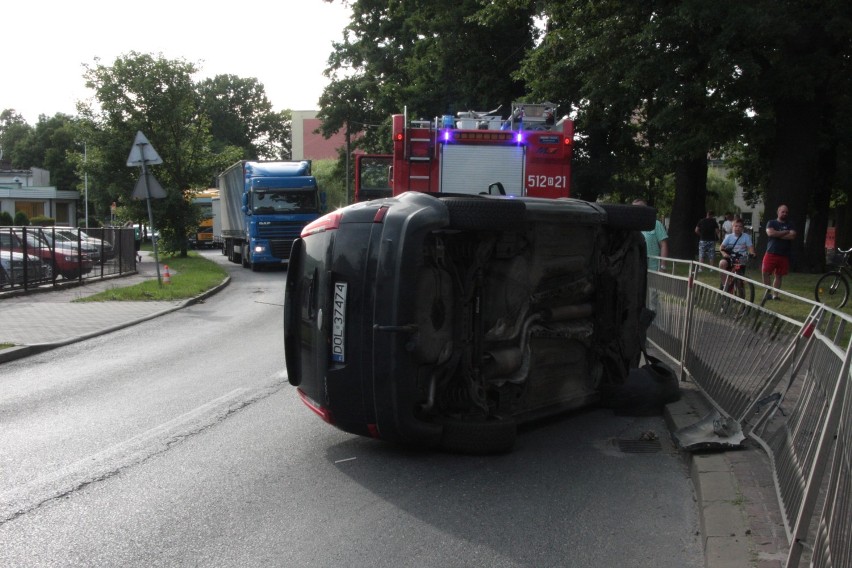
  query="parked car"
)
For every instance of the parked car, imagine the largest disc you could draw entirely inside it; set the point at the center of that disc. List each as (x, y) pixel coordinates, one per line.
(94, 247)
(14, 266)
(446, 321)
(59, 259)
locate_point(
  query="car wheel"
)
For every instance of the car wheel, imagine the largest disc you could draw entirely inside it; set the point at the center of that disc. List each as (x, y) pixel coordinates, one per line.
(480, 437)
(631, 217)
(476, 214)
(48, 270)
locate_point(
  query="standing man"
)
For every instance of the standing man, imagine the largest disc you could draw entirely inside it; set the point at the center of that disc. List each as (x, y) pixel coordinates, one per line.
(656, 242)
(707, 230)
(776, 261)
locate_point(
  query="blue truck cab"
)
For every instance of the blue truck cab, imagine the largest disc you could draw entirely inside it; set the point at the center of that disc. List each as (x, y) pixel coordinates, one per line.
(264, 207)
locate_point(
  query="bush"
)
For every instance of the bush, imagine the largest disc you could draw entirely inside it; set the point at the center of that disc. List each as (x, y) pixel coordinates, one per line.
(6, 219)
(21, 219)
(43, 221)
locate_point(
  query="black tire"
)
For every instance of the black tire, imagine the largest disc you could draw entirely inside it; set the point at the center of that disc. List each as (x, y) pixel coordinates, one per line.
(832, 289)
(479, 214)
(244, 258)
(478, 437)
(631, 217)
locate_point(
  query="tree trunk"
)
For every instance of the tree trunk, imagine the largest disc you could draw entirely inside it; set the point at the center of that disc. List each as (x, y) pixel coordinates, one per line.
(793, 173)
(688, 207)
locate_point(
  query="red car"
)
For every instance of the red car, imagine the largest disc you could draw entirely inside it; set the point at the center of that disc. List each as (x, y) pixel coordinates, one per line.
(59, 260)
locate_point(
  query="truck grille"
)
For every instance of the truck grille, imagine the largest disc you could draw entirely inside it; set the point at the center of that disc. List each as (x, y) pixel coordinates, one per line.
(281, 235)
(281, 248)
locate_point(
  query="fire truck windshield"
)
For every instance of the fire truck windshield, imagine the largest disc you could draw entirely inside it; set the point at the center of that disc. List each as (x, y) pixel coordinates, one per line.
(268, 201)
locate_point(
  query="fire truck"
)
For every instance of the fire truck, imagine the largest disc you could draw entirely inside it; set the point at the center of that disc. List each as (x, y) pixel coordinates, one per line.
(526, 154)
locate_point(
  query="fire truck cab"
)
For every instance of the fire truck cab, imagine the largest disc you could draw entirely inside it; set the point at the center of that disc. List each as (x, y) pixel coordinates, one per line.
(527, 154)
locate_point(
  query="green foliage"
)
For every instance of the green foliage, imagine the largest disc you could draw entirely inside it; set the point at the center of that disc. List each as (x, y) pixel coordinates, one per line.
(331, 180)
(242, 117)
(21, 219)
(433, 57)
(721, 192)
(190, 276)
(6, 219)
(42, 221)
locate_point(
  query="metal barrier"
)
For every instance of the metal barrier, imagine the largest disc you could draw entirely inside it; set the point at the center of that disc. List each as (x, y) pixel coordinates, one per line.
(36, 257)
(778, 380)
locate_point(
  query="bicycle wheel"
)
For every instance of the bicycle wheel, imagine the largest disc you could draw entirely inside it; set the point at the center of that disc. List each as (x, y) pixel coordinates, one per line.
(832, 289)
(745, 291)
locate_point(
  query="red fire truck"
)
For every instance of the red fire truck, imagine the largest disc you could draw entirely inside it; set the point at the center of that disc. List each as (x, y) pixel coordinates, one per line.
(526, 154)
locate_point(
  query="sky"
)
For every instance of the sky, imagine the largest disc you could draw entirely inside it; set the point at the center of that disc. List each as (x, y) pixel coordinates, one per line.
(284, 44)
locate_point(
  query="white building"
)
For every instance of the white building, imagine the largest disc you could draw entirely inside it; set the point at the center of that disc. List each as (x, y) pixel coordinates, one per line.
(30, 191)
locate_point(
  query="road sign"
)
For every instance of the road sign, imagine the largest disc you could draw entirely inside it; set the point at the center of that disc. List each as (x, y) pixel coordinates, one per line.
(148, 186)
(142, 153)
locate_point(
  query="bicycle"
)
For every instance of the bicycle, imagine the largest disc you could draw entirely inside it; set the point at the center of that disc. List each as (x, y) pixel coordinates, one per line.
(832, 288)
(735, 281)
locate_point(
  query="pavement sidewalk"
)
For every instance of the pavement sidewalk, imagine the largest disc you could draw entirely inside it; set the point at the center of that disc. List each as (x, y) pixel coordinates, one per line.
(43, 320)
(741, 522)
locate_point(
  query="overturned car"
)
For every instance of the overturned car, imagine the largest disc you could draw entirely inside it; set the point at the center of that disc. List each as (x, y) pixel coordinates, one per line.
(444, 321)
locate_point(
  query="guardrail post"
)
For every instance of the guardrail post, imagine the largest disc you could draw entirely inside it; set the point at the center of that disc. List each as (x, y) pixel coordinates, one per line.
(690, 287)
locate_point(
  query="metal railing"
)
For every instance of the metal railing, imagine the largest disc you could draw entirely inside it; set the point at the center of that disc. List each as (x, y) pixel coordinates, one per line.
(39, 257)
(776, 379)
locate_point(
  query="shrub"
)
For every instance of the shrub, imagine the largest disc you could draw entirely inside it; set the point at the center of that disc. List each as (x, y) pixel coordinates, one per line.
(21, 219)
(42, 221)
(6, 219)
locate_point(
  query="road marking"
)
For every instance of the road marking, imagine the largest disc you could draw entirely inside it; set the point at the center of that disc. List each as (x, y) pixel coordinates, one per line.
(109, 462)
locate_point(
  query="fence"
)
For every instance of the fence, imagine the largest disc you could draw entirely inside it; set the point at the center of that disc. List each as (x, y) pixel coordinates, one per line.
(779, 380)
(37, 257)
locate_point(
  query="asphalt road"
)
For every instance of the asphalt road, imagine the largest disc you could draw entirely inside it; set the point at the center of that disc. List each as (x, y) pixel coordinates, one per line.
(179, 442)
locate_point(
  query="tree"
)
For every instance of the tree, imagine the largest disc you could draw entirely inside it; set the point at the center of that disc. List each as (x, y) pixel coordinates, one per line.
(14, 134)
(431, 57)
(795, 66)
(241, 116)
(142, 92)
(637, 74)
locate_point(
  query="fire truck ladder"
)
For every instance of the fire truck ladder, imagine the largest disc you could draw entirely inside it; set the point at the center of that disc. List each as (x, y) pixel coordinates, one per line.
(419, 150)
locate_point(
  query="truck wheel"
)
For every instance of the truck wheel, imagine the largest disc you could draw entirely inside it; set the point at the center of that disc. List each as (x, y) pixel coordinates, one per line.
(480, 437)
(244, 255)
(476, 214)
(631, 217)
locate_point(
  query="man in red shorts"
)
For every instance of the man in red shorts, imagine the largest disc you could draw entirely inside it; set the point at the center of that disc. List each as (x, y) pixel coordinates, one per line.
(776, 261)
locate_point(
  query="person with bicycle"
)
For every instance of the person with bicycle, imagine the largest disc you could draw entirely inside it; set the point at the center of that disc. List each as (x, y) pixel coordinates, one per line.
(737, 245)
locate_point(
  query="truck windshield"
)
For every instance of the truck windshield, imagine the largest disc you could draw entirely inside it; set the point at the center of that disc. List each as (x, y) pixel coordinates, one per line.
(269, 201)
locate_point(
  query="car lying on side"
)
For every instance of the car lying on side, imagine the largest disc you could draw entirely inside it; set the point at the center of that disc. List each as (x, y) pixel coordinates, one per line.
(445, 321)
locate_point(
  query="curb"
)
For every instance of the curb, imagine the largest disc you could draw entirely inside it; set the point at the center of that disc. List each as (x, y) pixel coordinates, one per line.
(21, 351)
(725, 534)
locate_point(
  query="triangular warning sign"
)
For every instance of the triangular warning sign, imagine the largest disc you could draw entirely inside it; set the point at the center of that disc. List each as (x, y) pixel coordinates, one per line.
(142, 152)
(143, 187)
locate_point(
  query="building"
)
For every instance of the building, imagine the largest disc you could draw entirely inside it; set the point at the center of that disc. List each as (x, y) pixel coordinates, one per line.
(309, 144)
(30, 192)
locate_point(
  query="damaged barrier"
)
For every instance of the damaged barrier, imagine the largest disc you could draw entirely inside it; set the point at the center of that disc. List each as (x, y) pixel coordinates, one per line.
(778, 380)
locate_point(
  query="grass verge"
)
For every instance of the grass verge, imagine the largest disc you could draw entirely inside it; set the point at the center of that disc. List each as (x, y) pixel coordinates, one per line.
(190, 276)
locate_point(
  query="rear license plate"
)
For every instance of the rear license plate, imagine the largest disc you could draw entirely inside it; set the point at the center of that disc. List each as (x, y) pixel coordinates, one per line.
(338, 323)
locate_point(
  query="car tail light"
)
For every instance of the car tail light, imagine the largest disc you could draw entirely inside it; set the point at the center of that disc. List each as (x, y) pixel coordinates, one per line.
(323, 413)
(325, 223)
(380, 215)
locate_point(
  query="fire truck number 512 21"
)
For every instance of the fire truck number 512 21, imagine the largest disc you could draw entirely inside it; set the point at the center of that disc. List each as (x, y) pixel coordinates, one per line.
(544, 182)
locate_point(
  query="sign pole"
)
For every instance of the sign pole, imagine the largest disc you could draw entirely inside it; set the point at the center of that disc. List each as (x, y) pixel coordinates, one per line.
(143, 154)
(151, 220)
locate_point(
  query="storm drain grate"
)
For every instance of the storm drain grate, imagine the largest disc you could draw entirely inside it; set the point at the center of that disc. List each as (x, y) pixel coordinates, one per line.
(639, 446)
